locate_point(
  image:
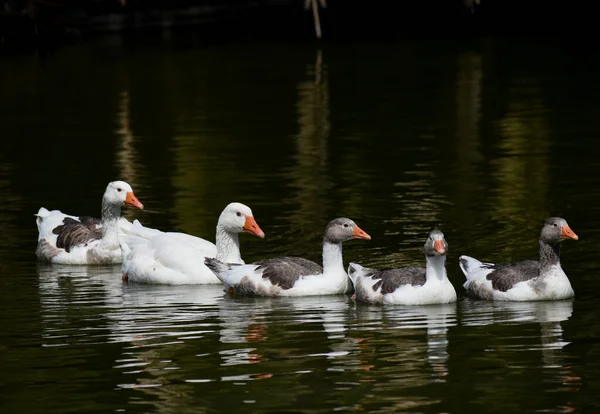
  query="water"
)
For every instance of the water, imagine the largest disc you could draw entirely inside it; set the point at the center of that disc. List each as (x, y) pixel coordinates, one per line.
(485, 139)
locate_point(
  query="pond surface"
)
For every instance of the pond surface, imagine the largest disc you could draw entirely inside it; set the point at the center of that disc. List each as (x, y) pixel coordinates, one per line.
(484, 139)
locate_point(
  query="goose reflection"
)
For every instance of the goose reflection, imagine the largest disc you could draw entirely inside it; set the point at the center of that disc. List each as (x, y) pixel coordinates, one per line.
(165, 333)
(246, 320)
(435, 320)
(542, 350)
(243, 321)
(331, 314)
(488, 312)
(67, 295)
(548, 314)
(133, 313)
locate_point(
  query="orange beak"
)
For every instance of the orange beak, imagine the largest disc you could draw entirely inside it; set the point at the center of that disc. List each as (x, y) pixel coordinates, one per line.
(131, 200)
(567, 233)
(438, 246)
(252, 227)
(358, 233)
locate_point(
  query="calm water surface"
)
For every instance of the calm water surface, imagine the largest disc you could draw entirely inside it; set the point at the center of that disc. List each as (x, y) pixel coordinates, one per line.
(483, 139)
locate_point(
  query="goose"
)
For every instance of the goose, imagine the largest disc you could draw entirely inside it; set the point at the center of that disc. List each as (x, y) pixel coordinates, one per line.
(49, 220)
(526, 280)
(156, 257)
(410, 285)
(67, 239)
(293, 276)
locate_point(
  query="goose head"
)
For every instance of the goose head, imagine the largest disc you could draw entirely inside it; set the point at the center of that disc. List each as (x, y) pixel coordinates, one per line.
(556, 230)
(436, 244)
(238, 218)
(119, 193)
(343, 229)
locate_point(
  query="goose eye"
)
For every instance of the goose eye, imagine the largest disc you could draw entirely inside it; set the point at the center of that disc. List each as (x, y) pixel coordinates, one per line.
(238, 214)
(119, 189)
(555, 225)
(345, 225)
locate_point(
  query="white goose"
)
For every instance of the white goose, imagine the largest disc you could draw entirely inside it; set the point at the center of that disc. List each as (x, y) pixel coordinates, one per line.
(293, 276)
(66, 239)
(153, 256)
(527, 280)
(410, 285)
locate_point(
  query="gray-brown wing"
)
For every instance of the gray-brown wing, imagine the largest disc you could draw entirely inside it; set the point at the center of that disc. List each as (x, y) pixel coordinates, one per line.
(92, 222)
(506, 275)
(285, 271)
(74, 233)
(392, 279)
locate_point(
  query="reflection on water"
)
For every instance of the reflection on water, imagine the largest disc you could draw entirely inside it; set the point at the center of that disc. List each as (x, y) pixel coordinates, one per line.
(157, 328)
(481, 140)
(485, 313)
(468, 119)
(468, 107)
(173, 340)
(521, 170)
(309, 176)
(126, 161)
(435, 319)
(7, 212)
(549, 315)
(541, 334)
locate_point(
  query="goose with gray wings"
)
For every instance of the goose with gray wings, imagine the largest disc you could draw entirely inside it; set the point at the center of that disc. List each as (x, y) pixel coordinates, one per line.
(411, 285)
(527, 280)
(294, 276)
(66, 239)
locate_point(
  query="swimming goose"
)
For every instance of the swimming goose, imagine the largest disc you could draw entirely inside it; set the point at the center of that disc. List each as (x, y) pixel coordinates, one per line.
(66, 239)
(410, 285)
(526, 280)
(153, 256)
(293, 276)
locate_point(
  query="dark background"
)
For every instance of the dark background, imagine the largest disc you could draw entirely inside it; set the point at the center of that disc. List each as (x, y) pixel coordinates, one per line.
(44, 24)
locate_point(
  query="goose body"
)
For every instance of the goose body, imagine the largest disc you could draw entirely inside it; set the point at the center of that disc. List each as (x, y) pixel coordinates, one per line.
(156, 257)
(48, 220)
(527, 280)
(67, 239)
(410, 285)
(293, 276)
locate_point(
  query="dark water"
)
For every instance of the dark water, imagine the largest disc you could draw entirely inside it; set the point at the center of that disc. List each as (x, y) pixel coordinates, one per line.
(484, 139)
